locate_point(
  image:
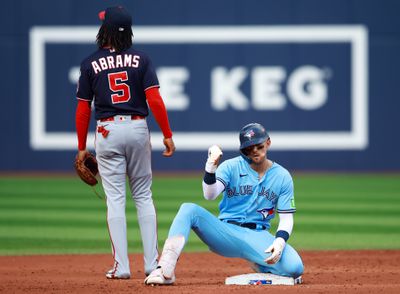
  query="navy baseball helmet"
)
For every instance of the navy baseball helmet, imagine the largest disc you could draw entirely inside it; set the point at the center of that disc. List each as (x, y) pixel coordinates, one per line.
(252, 134)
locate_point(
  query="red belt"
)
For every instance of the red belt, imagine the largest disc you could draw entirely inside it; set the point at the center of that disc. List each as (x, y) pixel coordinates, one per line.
(112, 118)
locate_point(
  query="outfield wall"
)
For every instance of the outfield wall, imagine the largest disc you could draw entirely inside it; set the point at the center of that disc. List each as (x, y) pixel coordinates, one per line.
(320, 75)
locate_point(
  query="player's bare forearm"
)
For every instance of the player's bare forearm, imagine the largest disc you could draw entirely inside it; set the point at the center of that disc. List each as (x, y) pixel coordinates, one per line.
(82, 154)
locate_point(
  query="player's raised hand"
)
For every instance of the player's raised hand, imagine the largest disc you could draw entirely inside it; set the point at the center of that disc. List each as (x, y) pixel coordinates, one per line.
(276, 250)
(214, 156)
(169, 147)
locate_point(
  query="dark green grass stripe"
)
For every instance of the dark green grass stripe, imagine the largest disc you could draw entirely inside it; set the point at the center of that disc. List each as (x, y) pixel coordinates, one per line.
(62, 224)
(91, 199)
(51, 243)
(88, 196)
(102, 244)
(336, 180)
(78, 206)
(348, 228)
(300, 227)
(47, 210)
(373, 212)
(97, 203)
(351, 198)
(68, 215)
(57, 218)
(9, 216)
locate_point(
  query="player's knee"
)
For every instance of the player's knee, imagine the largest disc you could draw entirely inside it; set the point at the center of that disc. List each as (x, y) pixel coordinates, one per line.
(295, 269)
(188, 211)
(188, 208)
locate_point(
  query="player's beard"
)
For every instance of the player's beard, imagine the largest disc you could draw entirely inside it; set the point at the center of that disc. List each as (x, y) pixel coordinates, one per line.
(258, 158)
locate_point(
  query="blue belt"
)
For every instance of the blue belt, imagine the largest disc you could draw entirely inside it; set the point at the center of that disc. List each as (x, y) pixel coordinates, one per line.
(252, 226)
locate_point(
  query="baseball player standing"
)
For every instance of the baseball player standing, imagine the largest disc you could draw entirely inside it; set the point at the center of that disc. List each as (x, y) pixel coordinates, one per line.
(123, 85)
(254, 189)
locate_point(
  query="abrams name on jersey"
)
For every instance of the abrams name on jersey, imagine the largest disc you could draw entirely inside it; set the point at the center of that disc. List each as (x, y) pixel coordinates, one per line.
(117, 61)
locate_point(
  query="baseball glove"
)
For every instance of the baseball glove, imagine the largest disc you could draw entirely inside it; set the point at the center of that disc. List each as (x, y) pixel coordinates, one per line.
(87, 169)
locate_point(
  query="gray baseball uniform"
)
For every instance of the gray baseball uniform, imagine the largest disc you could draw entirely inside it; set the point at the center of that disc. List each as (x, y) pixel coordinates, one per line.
(122, 84)
(126, 151)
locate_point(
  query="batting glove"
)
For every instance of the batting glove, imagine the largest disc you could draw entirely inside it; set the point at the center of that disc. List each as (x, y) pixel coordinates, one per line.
(214, 155)
(276, 250)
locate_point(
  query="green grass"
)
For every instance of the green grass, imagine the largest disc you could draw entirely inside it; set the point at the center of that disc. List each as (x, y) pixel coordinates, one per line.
(53, 215)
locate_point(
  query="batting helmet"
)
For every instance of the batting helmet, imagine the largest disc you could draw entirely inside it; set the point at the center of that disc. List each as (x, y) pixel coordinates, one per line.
(252, 134)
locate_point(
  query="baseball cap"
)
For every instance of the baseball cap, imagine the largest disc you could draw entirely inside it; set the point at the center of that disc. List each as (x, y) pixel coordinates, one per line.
(117, 17)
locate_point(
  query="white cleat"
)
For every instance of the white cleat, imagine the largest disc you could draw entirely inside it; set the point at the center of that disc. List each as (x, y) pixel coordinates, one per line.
(157, 278)
(113, 274)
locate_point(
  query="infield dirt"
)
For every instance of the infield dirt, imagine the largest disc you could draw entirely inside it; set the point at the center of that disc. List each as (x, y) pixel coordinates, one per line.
(325, 272)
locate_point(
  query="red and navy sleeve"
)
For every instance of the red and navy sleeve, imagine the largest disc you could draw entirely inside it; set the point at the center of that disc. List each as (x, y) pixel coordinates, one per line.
(82, 120)
(153, 97)
(159, 111)
(84, 89)
(150, 79)
(83, 112)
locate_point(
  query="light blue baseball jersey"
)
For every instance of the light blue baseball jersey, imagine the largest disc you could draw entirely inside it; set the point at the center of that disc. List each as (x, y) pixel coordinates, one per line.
(248, 199)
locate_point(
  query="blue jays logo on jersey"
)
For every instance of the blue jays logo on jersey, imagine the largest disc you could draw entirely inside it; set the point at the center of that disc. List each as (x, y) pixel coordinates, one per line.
(249, 134)
(266, 212)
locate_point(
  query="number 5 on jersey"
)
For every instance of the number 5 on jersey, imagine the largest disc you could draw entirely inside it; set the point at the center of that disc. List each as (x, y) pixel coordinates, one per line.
(122, 92)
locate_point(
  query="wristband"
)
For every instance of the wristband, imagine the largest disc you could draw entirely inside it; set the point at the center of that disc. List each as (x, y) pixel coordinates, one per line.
(282, 234)
(209, 178)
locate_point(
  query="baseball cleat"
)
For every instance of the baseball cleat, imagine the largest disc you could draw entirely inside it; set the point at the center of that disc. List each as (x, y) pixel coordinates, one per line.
(112, 274)
(157, 278)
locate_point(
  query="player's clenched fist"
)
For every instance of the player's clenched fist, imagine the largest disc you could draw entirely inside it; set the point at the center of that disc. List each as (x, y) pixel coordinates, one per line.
(214, 155)
(276, 250)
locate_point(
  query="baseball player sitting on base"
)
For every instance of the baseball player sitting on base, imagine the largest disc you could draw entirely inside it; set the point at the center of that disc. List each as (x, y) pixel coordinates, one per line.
(254, 190)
